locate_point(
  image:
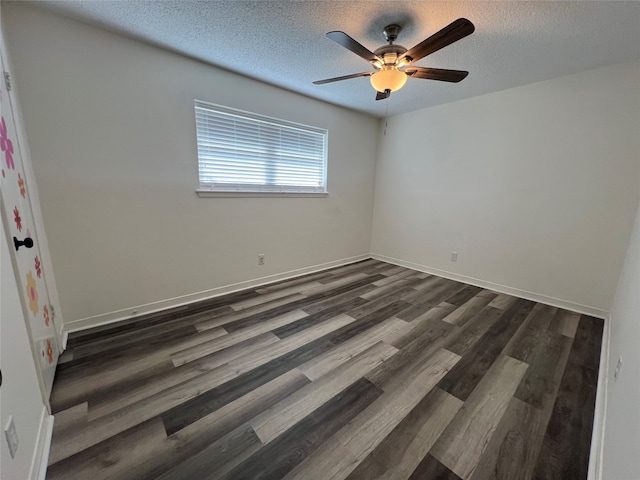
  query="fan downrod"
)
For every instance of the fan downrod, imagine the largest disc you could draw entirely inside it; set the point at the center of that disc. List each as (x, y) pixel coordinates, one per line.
(391, 32)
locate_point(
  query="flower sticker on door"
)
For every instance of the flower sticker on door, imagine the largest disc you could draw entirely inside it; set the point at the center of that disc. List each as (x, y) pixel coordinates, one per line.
(17, 218)
(32, 294)
(38, 267)
(46, 352)
(5, 145)
(23, 190)
(45, 312)
(49, 352)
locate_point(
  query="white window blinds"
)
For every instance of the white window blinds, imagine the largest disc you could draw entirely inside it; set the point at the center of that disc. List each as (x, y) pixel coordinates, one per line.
(245, 152)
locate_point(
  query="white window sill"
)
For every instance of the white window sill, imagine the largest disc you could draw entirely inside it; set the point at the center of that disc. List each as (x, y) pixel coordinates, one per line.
(209, 193)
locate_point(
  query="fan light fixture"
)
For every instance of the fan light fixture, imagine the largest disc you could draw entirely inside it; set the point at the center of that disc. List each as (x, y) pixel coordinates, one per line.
(389, 78)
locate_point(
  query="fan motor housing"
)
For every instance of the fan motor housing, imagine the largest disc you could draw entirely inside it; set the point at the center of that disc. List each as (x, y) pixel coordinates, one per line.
(390, 53)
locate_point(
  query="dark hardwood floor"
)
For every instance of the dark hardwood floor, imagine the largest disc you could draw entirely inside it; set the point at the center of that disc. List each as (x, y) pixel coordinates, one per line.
(365, 371)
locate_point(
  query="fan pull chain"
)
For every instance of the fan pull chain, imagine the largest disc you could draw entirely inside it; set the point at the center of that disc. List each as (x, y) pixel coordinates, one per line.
(386, 113)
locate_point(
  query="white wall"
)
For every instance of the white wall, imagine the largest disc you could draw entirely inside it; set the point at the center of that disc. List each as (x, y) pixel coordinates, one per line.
(622, 428)
(535, 187)
(20, 395)
(111, 129)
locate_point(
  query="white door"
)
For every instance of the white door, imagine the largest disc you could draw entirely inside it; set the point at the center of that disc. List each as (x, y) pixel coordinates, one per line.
(17, 215)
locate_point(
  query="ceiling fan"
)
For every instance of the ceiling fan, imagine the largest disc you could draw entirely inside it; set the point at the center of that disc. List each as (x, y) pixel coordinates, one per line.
(392, 63)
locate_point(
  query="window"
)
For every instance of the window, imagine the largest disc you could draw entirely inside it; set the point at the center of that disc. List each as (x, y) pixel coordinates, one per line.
(245, 152)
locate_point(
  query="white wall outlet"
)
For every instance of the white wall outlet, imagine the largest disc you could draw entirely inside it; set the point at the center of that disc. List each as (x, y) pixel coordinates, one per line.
(11, 435)
(261, 259)
(454, 256)
(616, 372)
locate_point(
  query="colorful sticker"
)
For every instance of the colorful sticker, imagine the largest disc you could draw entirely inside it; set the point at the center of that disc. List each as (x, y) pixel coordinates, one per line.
(32, 294)
(49, 352)
(38, 267)
(45, 312)
(17, 218)
(23, 190)
(5, 145)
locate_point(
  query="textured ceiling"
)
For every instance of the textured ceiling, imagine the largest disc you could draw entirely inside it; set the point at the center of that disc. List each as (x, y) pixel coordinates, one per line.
(283, 42)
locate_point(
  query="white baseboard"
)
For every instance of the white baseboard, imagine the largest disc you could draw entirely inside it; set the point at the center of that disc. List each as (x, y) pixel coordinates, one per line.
(126, 314)
(41, 452)
(600, 414)
(516, 292)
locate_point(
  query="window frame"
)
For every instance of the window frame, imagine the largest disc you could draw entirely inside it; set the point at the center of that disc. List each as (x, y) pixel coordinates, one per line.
(264, 189)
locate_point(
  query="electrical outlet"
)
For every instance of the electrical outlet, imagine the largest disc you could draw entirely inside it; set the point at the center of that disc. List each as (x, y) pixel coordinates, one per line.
(454, 256)
(11, 435)
(616, 372)
(261, 259)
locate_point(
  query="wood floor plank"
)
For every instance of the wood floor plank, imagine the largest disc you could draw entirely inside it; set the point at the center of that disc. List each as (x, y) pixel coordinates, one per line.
(391, 287)
(431, 319)
(218, 458)
(76, 386)
(464, 377)
(411, 357)
(476, 328)
(462, 444)
(267, 353)
(365, 322)
(278, 458)
(275, 421)
(467, 293)
(502, 301)
(394, 278)
(513, 449)
(112, 458)
(193, 353)
(197, 436)
(400, 453)
(335, 301)
(121, 420)
(329, 312)
(138, 389)
(239, 411)
(432, 469)
(430, 299)
(232, 352)
(72, 418)
(266, 297)
(323, 364)
(233, 317)
(180, 415)
(342, 453)
(566, 323)
(470, 308)
(312, 277)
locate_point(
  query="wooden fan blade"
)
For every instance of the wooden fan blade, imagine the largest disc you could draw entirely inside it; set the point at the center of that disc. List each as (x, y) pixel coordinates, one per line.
(441, 74)
(349, 43)
(449, 34)
(383, 95)
(345, 77)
